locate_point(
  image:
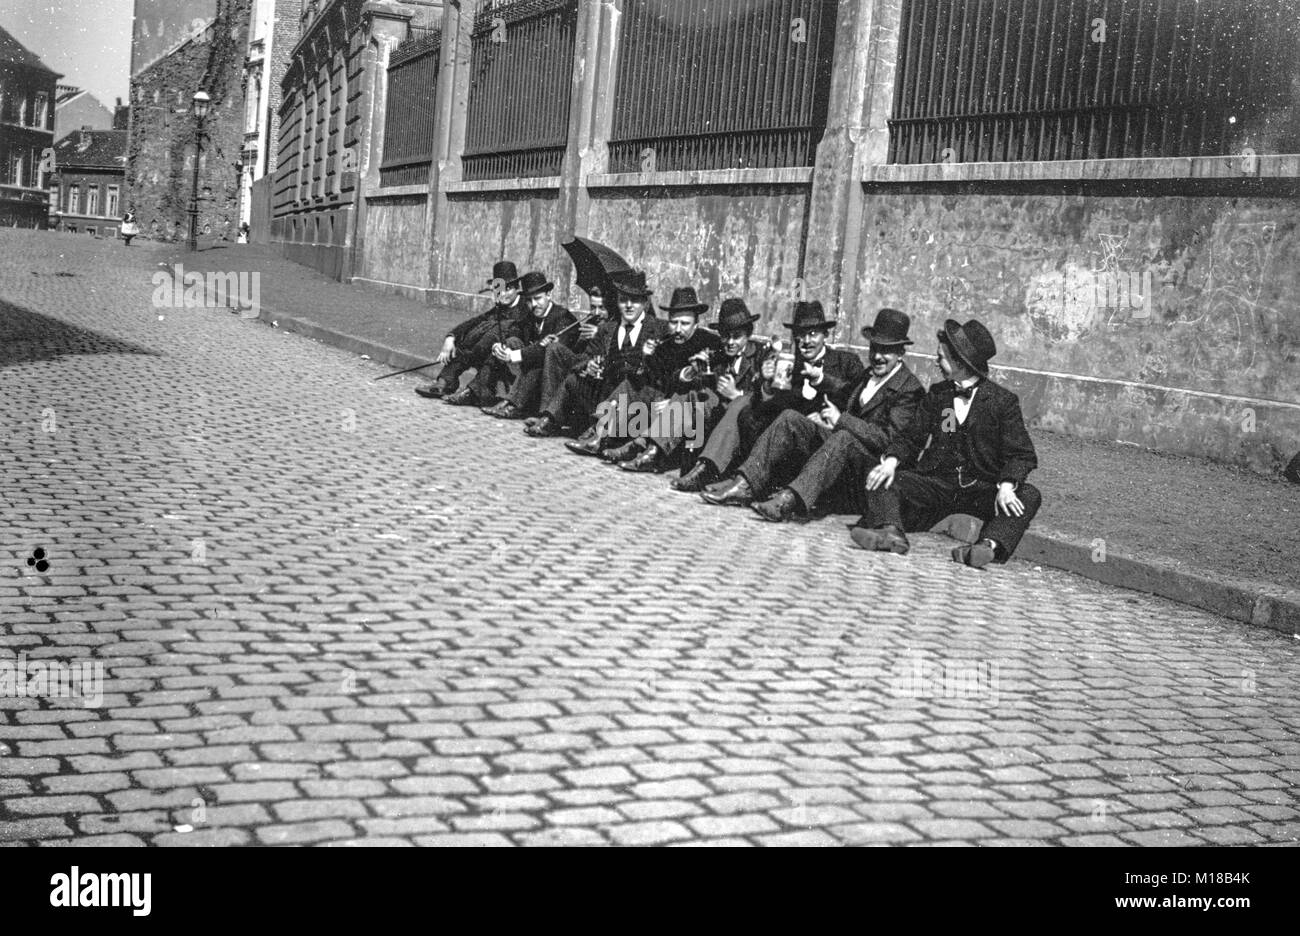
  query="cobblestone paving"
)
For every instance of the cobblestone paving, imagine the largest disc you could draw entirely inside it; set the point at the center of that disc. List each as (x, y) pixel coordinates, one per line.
(330, 612)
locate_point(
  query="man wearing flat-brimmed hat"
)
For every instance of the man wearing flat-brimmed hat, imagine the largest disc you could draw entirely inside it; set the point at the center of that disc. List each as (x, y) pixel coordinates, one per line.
(830, 459)
(619, 352)
(978, 457)
(524, 348)
(820, 374)
(470, 343)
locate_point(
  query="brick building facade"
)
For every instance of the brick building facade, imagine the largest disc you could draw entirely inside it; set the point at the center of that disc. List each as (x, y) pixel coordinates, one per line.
(28, 91)
(89, 182)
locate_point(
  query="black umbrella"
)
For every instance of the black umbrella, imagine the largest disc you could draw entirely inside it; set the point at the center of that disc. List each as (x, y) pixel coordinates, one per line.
(593, 263)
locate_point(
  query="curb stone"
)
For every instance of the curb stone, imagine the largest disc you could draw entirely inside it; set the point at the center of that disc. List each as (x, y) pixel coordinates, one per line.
(1256, 603)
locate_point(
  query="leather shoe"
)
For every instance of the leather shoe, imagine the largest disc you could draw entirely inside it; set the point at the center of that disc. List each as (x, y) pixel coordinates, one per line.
(465, 397)
(880, 539)
(544, 427)
(588, 444)
(431, 391)
(508, 410)
(737, 493)
(647, 461)
(695, 479)
(778, 508)
(977, 556)
(622, 453)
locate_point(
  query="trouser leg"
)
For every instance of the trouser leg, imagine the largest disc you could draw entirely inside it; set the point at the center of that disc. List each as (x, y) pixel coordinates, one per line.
(836, 471)
(981, 501)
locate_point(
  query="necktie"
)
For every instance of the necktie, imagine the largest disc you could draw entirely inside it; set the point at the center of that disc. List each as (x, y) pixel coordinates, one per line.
(965, 392)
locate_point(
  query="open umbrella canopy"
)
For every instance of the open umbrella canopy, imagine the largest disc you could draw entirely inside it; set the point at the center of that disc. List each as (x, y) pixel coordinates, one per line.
(593, 263)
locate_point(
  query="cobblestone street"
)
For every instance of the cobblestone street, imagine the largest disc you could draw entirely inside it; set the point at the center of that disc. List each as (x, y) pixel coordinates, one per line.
(331, 612)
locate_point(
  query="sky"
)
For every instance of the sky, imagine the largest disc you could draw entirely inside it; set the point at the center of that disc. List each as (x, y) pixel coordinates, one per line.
(89, 41)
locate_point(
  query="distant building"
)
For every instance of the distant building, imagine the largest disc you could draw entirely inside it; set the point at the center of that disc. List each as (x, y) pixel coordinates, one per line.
(27, 92)
(89, 182)
(75, 109)
(272, 33)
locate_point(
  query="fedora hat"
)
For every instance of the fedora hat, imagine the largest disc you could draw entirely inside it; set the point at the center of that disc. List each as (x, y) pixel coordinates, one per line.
(533, 282)
(504, 270)
(685, 300)
(890, 328)
(733, 316)
(971, 342)
(631, 283)
(810, 315)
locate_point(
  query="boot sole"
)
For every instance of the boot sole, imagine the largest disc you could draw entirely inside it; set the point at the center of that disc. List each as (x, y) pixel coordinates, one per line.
(872, 541)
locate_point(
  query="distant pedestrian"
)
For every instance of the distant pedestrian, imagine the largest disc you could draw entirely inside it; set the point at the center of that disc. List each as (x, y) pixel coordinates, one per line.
(129, 228)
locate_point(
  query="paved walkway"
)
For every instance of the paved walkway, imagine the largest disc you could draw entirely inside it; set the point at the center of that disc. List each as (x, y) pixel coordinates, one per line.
(330, 612)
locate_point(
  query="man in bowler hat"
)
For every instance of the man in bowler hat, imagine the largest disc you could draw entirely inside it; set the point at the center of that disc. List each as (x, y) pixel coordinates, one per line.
(470, 343)
(524, 349)
(831, 458)
(821, 374)
(976, 462)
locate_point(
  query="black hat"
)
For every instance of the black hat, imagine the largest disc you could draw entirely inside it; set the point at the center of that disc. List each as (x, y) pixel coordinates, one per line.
(808, 315)
(733, 316)
(890, 328)
(504, 270)
(971, 342)
(532, 283)
(631, 283)
(685, 300)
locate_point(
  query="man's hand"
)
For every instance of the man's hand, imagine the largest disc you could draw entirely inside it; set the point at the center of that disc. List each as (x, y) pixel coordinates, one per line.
(592, 369)
(587, 332)
(813, 373)
(1007, 502)
(500, 352)
(448, 351)
(882, 476)
(551, 339)
(830, 414)
(767, 370)
(727, 387)
(649, 347)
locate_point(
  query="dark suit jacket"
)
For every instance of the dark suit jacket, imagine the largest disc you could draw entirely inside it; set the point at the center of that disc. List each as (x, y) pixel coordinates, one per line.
(996, 443)
(499, 318)
(530, 333)
(842, 371)
(670, 358)
(886, 414)
(629, 364)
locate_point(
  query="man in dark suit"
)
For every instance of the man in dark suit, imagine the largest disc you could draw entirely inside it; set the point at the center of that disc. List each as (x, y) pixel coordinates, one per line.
(829, 454)
(645, 444)
(620, 351)
(976, 462)
(524, 349)
(820, 374)
(470, 343)
(558, 360)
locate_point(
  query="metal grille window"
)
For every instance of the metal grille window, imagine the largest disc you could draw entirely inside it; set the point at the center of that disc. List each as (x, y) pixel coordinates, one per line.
(410, 114)
(521, 80)
(724, 84)
(1015, 80)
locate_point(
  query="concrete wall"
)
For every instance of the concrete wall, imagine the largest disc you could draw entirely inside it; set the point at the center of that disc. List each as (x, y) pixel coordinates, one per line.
(1136, 298)
(84, 110)
(392, 239)
(517, 226)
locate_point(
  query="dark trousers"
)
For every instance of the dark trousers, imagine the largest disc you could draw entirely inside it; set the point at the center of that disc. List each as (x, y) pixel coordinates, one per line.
(537, 388)
(811, 460)
(739, 428)
(474, 356)
(919, 501)
(574, 402)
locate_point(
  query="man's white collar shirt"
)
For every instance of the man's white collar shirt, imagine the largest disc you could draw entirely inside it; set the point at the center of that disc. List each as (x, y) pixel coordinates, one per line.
(961, 405)
(874, 384)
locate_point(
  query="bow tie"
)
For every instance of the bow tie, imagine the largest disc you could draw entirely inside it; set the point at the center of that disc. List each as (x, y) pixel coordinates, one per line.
(964, 392)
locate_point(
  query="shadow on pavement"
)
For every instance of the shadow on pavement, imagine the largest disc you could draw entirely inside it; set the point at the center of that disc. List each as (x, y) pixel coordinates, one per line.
(29, 336)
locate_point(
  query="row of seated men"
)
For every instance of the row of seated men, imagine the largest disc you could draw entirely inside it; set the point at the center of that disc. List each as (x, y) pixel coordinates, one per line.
(742, 425)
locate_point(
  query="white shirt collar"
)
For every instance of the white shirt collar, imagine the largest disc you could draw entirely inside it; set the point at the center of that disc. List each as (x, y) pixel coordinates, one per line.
(878, 381)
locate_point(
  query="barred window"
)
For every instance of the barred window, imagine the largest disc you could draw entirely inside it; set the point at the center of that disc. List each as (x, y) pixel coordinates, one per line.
(520, 84)
(730, 84)
(1013, 80)
(410, 113)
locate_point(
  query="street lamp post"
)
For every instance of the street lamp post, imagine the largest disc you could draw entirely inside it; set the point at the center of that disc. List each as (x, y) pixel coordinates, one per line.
(201, 101)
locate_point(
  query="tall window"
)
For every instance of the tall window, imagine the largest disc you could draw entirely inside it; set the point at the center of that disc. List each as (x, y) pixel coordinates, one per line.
(74, 199)
(42, 110)
(1012, 80)
(16, 167)
(9, 104)
(111, 206)
(92, 199)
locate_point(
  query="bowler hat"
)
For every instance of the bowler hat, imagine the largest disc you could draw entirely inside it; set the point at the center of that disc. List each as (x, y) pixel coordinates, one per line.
(971, 342)
(533, 282)
(810, 315)
(890, 328)
(631, 283)
(504, 270)
(733, 316)
(685, 300)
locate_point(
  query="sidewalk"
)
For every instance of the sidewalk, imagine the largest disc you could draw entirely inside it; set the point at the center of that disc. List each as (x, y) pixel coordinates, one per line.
(1215, 537)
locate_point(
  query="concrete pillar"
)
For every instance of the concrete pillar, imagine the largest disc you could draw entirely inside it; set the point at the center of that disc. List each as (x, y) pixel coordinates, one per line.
(449, 142)
(857, 136)
(591, 120)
